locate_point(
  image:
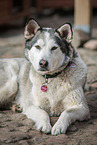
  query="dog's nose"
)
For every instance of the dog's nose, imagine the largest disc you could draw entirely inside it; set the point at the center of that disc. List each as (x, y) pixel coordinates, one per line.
(43, 63)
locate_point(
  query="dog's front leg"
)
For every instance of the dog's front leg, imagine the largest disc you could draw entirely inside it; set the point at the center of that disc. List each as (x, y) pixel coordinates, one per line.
(40, 117)
(67, 117)
(77, 109)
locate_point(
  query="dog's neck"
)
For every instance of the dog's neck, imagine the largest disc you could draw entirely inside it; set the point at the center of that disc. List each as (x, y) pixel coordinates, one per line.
(51, 76)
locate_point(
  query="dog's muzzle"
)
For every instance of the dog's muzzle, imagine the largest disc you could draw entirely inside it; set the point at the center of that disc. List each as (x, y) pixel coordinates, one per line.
(43, 65)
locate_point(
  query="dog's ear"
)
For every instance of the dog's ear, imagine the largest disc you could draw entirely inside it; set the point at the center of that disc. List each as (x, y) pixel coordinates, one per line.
(31, 28)
(65, 32)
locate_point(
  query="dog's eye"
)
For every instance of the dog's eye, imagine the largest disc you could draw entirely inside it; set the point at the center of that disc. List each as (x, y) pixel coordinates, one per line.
(54, 48)
(38, 47)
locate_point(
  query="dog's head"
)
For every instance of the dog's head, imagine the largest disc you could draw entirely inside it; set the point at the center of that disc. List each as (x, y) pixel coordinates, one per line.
(47, 48)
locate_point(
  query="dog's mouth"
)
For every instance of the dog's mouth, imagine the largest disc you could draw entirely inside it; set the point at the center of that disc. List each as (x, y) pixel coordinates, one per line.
(43, 69)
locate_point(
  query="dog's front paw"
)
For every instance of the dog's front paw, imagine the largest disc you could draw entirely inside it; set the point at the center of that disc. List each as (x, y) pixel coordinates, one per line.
(44, 126)
(58, 128)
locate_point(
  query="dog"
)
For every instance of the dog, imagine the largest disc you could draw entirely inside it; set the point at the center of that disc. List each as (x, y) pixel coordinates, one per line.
(49, 81)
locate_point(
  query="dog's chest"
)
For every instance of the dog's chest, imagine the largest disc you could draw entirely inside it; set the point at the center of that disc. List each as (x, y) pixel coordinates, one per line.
(52, 99)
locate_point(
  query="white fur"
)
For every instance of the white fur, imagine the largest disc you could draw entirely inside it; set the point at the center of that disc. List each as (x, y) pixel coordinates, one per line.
(64, 97)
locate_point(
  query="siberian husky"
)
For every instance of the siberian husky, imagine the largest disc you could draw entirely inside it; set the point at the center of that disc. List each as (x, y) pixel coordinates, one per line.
(49, 81)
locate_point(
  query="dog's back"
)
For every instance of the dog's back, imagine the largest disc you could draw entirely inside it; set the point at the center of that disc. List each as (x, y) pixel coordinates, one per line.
(9, 71)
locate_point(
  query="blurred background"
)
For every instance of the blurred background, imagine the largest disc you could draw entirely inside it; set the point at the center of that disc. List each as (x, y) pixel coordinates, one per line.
(82, 14)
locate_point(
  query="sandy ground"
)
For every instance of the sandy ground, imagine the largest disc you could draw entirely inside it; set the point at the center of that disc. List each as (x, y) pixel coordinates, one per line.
(15, 128)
